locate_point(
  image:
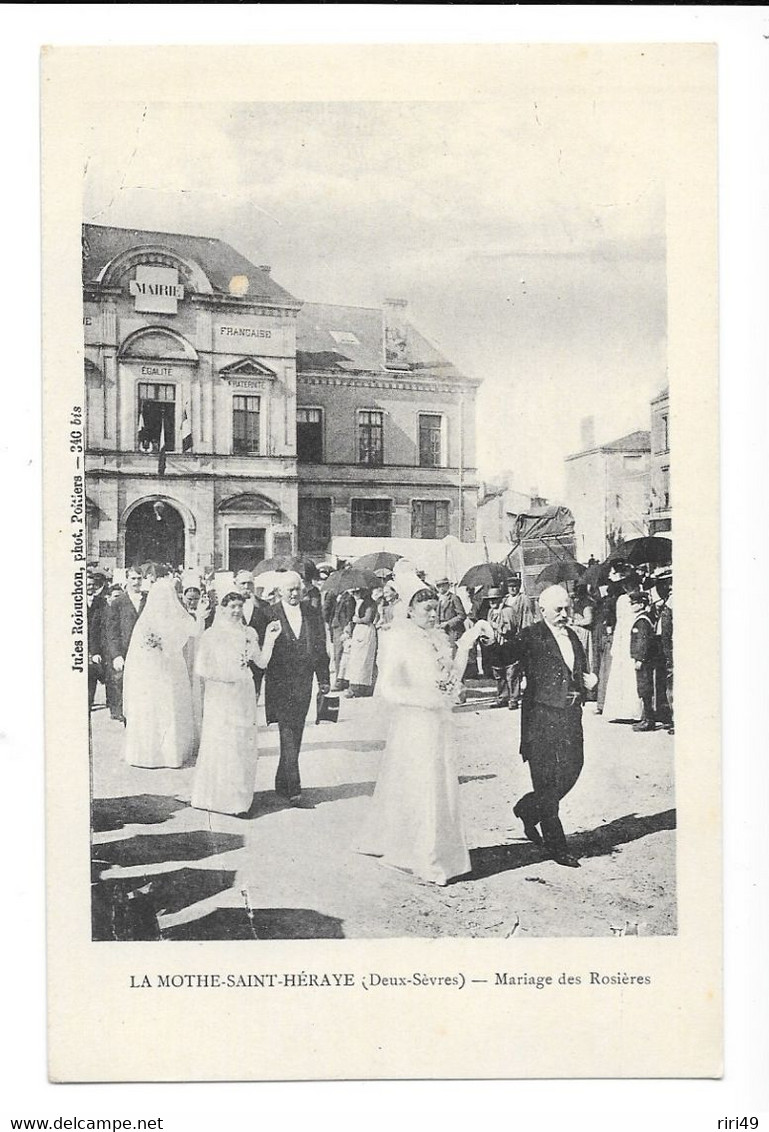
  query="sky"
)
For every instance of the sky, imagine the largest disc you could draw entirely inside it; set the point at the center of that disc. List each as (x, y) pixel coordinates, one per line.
(527, 235)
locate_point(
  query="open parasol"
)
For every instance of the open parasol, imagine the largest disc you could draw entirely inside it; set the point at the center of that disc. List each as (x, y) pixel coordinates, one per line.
(557, 572)
(380, 560)
(652, 550)
(486, 574)
(350, 579)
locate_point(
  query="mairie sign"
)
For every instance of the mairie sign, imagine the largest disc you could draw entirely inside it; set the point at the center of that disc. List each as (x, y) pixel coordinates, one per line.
(156, 289)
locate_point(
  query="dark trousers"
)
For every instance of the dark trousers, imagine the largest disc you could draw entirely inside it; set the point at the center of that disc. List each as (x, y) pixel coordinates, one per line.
(114, 684)
(95, 676)
(287, 781)
(644, 680)
(554, 767)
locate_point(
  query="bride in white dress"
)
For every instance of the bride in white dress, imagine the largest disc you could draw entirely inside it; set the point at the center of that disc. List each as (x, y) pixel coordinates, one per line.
(415, 820)
(156, 695)
(225, 772)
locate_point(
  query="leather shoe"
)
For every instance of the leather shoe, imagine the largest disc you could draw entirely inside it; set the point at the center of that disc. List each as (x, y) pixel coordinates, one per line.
(533, 834)
(567, 860)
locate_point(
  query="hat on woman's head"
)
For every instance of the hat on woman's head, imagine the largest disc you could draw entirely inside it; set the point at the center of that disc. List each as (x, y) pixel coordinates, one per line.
(406, 580)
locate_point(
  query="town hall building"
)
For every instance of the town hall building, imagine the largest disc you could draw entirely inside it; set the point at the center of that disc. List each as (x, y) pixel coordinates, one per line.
(228, 422)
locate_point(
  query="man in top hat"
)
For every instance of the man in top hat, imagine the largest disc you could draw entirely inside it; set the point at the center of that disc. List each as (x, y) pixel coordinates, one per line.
(299, 654)
(451, 613)
(552, 659)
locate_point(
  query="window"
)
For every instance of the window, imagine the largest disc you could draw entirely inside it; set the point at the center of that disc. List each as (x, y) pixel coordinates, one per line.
(665, 488)
(245, 425)
(371, 518)
(429, 518)
(430, 447)
(245, 548)
(309, 436)
(370, 436)
(157, 414)
(664, 433)
(314, 524)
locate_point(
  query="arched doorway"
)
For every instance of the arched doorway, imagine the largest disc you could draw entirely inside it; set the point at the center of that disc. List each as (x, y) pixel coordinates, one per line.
(154, 532)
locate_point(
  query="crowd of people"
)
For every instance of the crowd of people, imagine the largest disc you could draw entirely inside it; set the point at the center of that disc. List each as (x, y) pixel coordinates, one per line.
(183, 667)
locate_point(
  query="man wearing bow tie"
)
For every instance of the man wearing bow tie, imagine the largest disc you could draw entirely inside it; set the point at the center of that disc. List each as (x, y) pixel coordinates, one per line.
(553, 661)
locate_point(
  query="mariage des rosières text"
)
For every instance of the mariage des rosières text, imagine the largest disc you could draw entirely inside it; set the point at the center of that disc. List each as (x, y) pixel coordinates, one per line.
(77, 539)
(376, 980)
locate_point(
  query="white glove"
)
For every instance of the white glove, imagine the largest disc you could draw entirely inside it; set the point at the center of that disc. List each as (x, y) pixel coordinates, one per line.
(118, 663)
(590, 680)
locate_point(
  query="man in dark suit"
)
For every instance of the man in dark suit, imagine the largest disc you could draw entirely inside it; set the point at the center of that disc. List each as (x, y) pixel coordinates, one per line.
(96, 598)
(119, 623)
(256, 614)
(298, 655)
(341, 619)
(552, 659)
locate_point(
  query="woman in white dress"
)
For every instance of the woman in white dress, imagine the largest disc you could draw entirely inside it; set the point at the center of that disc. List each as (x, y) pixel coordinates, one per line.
(622, 700)
(225, 773)
(415, 820)
(156, 684)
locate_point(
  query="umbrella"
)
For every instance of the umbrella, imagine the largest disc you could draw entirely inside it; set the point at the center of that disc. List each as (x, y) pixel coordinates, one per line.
(557, 572)
(282, 562)
(350, 579)
(595, 575)
(379, 560)
(651, 549)
(486, 574)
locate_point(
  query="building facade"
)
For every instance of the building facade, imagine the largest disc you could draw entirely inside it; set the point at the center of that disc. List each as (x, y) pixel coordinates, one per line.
(385, 439)
(608, 491)
(205, 447)
(660, 505)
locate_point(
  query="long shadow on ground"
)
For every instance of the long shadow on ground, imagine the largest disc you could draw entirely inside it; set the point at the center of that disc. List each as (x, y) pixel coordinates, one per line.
(134, 809)
(599, 842)
(156, 848)
(262, 923)
(266, 802)
(127, 908)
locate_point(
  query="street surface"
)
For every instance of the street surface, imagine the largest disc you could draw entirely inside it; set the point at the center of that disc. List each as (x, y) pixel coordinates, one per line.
(293, 873)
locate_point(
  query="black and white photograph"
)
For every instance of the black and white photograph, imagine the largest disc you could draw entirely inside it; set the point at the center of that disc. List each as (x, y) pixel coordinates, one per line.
(378, 521)
(386, 395)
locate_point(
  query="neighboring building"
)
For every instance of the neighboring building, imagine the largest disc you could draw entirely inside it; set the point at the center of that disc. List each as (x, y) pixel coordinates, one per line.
(607, 491)
(196, 452)
(385, 434)
(499, 506)
(660, 511)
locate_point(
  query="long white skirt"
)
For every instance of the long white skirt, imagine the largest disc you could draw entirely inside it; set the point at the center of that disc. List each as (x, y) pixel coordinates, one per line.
(158, 710)
(622, 700)
(415, 821)
(225, 773)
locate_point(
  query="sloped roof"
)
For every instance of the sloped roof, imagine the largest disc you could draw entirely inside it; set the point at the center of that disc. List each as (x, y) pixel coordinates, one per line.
(634, 442)
(639, 441)
(219, 261)
(351, 339)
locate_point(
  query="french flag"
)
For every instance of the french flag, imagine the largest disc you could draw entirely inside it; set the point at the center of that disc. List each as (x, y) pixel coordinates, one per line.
(186, 431)
(162, 448)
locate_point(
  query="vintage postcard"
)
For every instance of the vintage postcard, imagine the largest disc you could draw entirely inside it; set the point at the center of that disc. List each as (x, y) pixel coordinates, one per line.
(380, 415)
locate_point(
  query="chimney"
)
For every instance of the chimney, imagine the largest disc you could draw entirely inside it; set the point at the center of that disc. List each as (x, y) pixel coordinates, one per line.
(587, 432)
(396, 334)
